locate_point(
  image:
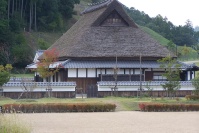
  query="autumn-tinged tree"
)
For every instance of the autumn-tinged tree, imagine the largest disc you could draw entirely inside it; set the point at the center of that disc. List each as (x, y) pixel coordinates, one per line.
(47, 67)
(172, 74)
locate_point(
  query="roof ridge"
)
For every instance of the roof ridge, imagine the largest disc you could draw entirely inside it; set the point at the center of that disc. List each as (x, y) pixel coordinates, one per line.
(96, 6)
(97, 3)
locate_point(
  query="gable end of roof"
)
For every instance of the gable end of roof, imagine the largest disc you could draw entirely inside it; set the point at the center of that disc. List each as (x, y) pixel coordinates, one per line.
(117, 6)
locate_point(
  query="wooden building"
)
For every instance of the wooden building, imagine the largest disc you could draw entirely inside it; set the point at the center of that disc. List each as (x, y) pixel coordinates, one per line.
(105, 38)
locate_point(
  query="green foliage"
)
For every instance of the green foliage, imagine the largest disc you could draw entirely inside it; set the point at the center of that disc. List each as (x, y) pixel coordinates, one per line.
(21, 52)
(3, 5)
(25, 15)
(192, 97)
(155, 35)
(172, 47)
(172, 73)
(186, 53)
(180, 35)
(43, 45)
(4, 74)
(149, 89)
(195, 83)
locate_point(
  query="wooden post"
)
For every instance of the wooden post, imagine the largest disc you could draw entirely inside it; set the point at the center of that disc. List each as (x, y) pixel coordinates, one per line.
(140, 74)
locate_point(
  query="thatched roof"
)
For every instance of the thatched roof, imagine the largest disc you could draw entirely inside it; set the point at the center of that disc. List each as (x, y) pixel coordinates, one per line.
(88, 38)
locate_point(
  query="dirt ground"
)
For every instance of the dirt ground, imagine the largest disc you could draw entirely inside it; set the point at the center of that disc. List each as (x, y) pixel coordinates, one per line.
(114, 122)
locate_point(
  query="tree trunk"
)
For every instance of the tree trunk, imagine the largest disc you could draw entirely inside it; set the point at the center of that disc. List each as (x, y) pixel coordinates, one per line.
(35, 16)
(21, 9)
(13, 7)
(30, 17)
(16, 5)
(8, 10)
(32, 13)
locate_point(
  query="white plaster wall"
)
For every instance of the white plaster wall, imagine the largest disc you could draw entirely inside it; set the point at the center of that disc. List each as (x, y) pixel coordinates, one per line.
(137, 71)
(193, 76)
(121, 71)
(188, 75)
(82, 73)
(158, 69)
(59, 77)
(51, 78)
(72, 73)
(98, 72)
(109, 71)
(127, 71)
(40, 89)
(159, 77)
(147, 70)
(135, 88)
(91, 73)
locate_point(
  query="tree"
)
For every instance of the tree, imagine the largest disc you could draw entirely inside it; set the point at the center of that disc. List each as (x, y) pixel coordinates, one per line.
(4, 74)
(43, 45)
(3, 4)
(28, 87)
(46, 67)
(185, 51)
(172, 47)
(195, 83)
(149, 89)
(115, 76)
(172, 73)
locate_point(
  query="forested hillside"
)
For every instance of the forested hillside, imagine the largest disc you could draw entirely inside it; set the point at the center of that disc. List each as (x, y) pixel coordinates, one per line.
(28, 25)
(19, 18)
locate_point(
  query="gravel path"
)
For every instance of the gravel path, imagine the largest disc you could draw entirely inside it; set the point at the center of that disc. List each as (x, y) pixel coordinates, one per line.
(114, 122)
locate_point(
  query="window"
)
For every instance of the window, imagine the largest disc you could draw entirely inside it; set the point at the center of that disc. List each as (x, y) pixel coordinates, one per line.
(157, 76)
(114, 19)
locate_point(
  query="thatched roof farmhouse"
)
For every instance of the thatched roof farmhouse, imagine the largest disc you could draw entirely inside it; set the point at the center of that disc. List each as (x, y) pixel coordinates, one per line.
(105, 37)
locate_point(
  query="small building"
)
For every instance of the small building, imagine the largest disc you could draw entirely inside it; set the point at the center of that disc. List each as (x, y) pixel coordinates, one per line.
(106, 40)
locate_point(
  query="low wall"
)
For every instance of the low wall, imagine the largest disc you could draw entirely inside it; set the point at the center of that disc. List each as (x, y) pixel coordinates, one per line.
(128, 88)
(144, 93)
(67, 89)
(39, 89)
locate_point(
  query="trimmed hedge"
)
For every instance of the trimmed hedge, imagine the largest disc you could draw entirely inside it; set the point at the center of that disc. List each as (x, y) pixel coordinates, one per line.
(58, 108)
(153, 107)
(192, 97)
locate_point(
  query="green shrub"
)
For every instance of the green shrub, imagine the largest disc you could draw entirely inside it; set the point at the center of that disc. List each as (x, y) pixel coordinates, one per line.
(192, 97)
(58, 107)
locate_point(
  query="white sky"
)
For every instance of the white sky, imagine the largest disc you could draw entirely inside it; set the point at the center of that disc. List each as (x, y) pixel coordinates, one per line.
(177, 11)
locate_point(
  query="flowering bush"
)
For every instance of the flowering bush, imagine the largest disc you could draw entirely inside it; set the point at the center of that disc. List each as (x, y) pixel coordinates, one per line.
(58, 107)
(156, 107)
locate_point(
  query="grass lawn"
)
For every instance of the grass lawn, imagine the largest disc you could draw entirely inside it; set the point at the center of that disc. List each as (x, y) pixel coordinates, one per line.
(23, 75)
(123, 104)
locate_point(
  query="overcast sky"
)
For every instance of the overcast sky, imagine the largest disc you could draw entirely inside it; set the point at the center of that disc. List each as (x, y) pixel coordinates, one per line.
(177, 11)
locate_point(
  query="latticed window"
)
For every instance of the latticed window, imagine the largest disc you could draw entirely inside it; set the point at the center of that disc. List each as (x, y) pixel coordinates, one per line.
(114, 19)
